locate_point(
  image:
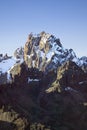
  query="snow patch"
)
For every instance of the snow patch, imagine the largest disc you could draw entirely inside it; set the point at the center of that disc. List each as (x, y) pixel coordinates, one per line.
(70, 89)
(49, 55)
(31, 80)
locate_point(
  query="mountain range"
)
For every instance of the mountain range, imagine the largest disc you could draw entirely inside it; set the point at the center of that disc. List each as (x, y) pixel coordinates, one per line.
(43, 87)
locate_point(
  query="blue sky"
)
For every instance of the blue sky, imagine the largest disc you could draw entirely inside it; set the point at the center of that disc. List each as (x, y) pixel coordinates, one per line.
(66, 19)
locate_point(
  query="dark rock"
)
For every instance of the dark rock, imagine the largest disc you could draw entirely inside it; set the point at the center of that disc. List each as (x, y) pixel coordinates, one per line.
(3, 78)
(7, 125)
(68, 75)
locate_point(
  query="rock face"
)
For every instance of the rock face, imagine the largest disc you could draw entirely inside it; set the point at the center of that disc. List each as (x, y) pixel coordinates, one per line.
(46, 52)
(3, 78)
(19, 73)
(1, 57)
(48, 88)
(68, 75)
(19, 53)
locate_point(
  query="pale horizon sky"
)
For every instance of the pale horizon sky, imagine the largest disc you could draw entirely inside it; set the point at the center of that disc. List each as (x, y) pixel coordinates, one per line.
(66, 19)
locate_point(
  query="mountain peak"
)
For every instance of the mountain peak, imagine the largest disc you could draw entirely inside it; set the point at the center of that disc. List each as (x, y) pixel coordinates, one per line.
(44, 51)
(42, 84)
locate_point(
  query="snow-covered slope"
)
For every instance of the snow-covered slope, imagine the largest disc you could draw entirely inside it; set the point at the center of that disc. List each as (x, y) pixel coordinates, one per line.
(83, 63)
(5, 65)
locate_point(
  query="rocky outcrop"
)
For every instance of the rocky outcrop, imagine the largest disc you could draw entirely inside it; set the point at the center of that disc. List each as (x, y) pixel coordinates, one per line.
(68, 75)
(3, 78)
(1, 57)
(4, 57)
(19, 74)
(19, 53)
